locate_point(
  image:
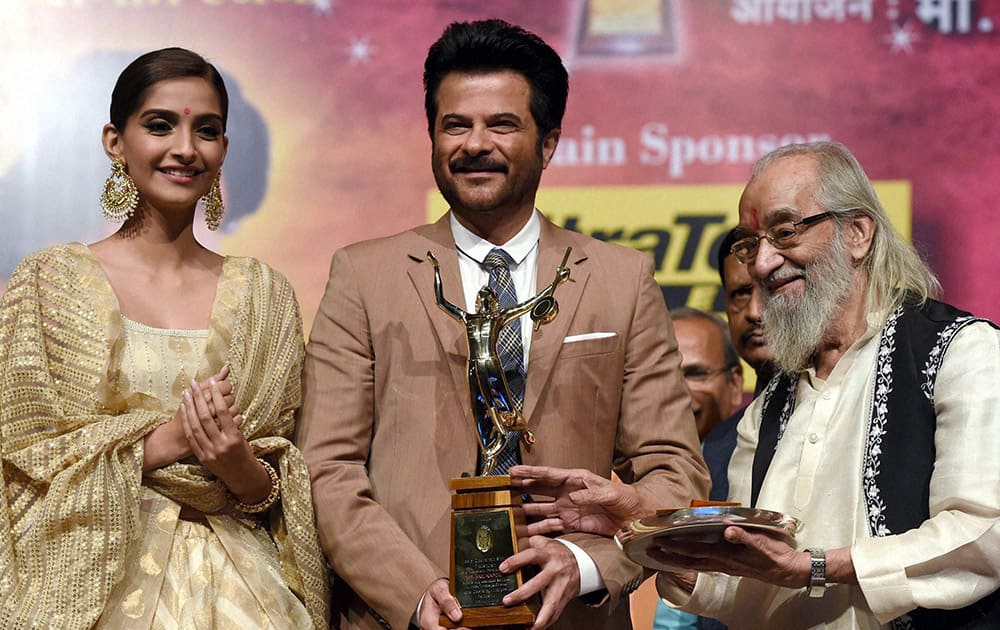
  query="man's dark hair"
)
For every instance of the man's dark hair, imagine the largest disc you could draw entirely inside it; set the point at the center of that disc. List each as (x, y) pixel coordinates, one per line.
(725, 250)
(491, 45)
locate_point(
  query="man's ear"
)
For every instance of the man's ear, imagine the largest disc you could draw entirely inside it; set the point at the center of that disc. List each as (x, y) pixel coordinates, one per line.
(549, 143)
(111, 138)
(860, 233)
(736, 387)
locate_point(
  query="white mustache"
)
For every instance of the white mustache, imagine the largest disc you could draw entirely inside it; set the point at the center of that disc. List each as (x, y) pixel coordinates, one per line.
(781, 274)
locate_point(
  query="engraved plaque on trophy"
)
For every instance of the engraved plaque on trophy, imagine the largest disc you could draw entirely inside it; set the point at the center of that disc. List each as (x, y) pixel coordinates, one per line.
(487, 527)
(487, 521)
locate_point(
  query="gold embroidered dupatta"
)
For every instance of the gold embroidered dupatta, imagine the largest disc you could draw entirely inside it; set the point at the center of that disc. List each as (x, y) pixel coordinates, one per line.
(72, 446)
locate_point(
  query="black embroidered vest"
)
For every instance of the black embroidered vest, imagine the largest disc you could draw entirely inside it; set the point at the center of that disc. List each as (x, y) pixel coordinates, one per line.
(900, 452)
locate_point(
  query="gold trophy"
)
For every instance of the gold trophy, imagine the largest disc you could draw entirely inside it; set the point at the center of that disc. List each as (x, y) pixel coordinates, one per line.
(487, 522)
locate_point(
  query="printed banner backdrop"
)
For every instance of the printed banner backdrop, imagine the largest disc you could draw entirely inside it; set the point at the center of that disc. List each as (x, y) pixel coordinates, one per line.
(671, 101)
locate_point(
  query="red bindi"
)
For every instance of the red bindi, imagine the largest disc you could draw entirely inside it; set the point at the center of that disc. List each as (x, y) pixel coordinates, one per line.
(187, 110)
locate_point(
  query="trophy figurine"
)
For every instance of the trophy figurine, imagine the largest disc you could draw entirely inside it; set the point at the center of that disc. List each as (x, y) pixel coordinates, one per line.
(487, 520)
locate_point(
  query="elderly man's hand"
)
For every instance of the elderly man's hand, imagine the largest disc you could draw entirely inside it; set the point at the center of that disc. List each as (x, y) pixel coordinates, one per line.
(749, 553)
(584, 501)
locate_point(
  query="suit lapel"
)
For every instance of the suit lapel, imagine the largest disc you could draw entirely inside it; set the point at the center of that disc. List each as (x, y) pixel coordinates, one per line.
(450, 332)
(546, 342)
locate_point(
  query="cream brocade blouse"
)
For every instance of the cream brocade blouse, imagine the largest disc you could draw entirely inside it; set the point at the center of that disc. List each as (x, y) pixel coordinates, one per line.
(85, 536)
(159, 363)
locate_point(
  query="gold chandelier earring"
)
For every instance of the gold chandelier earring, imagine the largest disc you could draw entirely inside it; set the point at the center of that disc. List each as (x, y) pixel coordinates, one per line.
(214, 208)
(120, 197)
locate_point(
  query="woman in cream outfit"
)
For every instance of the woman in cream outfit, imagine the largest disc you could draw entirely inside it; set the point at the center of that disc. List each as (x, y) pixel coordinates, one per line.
(147, 395)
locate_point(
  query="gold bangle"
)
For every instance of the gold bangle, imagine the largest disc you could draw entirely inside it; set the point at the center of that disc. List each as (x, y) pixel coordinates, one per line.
(272, 496)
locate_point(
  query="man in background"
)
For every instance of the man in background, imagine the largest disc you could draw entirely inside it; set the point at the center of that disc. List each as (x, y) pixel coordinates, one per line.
(746, 335)
(743, 313)
(714, 376)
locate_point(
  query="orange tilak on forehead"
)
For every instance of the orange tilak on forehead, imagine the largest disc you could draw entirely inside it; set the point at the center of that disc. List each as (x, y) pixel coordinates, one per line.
(754, 219)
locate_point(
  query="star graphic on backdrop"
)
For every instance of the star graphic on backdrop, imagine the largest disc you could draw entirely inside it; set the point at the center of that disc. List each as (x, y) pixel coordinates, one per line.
(901, 38)
(360, 50)
(323, 7)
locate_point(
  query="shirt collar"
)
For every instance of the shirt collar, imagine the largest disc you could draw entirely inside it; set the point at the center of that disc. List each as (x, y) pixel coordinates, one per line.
(517, 247)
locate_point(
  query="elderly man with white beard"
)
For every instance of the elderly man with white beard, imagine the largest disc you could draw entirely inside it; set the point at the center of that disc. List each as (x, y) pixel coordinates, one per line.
(880, 434)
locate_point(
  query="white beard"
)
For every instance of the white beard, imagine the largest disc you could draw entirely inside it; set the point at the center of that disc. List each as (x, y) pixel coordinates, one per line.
(795, 325)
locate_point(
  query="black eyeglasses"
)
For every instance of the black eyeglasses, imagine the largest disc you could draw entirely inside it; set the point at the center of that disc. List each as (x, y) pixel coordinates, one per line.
(782, 236)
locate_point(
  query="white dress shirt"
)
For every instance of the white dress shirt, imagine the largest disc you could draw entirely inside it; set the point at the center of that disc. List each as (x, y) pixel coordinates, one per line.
(951, 560)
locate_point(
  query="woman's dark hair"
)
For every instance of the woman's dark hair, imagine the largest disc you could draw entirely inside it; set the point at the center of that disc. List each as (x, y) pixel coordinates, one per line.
(151, 68)
(492, 45)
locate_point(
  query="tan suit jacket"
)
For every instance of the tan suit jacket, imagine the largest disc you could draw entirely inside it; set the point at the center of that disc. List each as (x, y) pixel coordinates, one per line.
(386, 422)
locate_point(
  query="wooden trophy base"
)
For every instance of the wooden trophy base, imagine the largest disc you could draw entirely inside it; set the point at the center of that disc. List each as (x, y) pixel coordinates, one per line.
(487, 522)
(520, 616)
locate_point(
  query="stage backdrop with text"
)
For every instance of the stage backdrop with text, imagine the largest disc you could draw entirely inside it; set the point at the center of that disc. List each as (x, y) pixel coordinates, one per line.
(671, 101)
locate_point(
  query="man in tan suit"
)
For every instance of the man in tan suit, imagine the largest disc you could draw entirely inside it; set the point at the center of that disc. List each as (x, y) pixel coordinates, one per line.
(387, 420)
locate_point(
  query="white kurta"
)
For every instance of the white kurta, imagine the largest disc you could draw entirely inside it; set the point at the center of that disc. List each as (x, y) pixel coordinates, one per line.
(950, 561)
